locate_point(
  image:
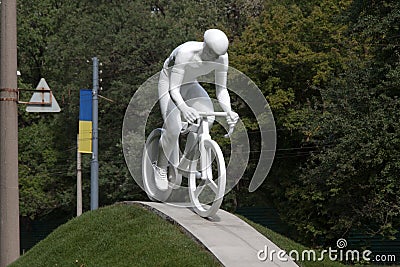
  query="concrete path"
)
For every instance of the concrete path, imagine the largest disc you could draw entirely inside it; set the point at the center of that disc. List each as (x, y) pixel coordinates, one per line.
(230, 239)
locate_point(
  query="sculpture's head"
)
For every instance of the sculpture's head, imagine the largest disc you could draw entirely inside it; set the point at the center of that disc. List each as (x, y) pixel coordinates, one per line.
(217, 41)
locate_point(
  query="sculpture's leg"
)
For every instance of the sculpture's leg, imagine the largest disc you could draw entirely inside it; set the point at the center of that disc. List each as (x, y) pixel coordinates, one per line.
(188, 154)
(168, 145)
(197, 98)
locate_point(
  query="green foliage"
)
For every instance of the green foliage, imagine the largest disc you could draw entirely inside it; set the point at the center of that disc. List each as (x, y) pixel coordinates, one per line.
(38, 22)
(39, 172)
(351, 180)
(290, 51)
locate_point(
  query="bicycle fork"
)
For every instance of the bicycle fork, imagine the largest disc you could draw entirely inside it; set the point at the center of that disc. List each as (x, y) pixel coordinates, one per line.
(205, 162)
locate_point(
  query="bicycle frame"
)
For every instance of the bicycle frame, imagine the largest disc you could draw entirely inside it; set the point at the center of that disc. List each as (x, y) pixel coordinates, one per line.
(203, 133)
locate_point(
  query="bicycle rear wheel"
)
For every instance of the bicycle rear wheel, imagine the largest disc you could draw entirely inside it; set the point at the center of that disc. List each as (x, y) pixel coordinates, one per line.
(150, 155)
(207, 193)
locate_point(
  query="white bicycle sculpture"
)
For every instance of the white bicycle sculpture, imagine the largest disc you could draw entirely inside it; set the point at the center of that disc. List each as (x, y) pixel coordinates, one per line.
(203, 165)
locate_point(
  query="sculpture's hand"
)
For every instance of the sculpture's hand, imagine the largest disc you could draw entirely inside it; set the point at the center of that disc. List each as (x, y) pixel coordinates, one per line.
(232, 118)
(189, 114)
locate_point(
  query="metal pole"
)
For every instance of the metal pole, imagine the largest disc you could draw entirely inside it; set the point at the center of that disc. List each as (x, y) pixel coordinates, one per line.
(94, 181)
(9, 198)
(78, 181)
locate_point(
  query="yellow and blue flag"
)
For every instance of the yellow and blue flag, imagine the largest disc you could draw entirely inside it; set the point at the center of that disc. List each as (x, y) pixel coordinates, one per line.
(85, 121)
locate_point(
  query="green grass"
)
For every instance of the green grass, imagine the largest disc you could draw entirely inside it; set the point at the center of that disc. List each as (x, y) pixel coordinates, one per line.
(288, 245)
(119, 235)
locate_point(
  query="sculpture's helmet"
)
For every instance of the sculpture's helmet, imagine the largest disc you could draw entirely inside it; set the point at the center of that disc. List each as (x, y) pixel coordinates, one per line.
(217, 41)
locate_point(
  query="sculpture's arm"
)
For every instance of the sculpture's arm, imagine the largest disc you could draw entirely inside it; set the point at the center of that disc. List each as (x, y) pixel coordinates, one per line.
(222, 91)
(221, 77)
(176, 78)
(177, 74)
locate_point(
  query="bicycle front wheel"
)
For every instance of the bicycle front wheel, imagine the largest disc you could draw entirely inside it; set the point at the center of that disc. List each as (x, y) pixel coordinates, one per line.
(206, 193)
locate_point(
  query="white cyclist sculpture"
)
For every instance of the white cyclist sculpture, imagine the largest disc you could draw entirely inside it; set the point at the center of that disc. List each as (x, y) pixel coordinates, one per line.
(181, 96)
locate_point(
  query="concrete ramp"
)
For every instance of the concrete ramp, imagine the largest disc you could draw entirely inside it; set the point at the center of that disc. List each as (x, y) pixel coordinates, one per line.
(233, 242)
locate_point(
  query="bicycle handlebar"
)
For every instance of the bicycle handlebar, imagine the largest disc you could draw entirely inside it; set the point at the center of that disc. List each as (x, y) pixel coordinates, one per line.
(217, 114)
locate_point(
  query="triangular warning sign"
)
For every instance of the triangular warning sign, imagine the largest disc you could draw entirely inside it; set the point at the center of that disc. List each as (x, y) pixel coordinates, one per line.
(43, 99)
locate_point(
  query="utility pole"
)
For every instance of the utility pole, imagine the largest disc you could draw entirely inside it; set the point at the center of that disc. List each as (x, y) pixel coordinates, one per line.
(78, 181)
(94, 175)
(9, 197)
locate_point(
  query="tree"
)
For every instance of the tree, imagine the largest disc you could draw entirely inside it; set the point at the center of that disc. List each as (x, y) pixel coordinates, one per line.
(350, 181)
(41, 189)
(290, 51)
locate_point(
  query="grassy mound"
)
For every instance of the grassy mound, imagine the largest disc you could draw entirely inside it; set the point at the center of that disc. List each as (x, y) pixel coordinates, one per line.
(130, 235)
(119, 235)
